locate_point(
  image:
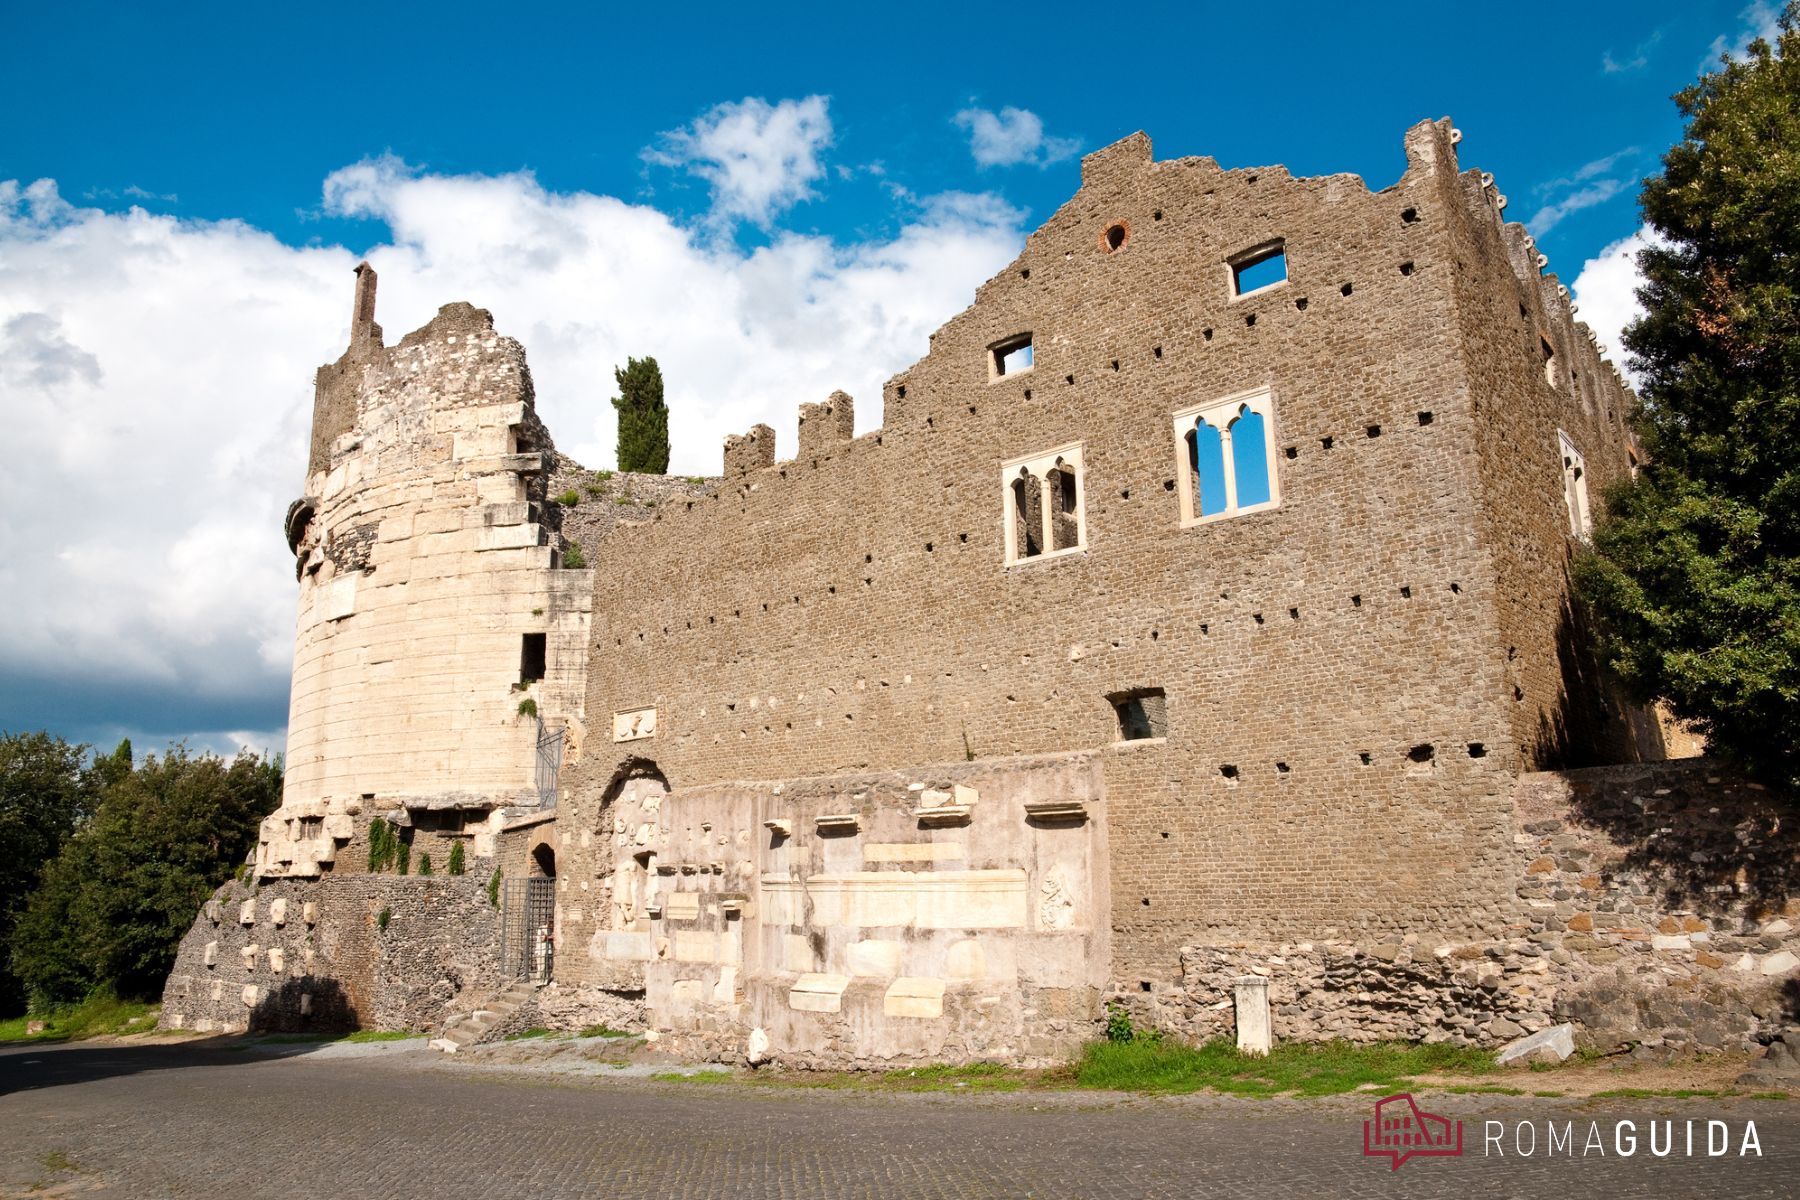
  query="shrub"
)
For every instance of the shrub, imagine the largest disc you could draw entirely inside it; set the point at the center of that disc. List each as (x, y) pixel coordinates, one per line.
(456, 859)
(424, 864)
(384, 916)
(573, 559)
(402, 858)
(528, 707)
(494, 889)
(602, 476)
(697, 480)
(569, 499)
(381, 844)
(1118, 1023)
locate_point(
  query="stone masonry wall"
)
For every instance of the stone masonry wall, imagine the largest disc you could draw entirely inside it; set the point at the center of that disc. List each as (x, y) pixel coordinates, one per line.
(313, 956)
(1342, 730)
(1656, 907)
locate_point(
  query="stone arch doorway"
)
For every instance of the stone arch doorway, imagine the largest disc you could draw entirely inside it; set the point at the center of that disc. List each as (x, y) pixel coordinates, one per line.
(627, 820)
(543, 861)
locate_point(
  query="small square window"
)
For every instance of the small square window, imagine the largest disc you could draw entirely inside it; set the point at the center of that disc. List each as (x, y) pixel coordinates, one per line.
(1010, 357)
(531, 657)
(1263, 267)
(1143, 713)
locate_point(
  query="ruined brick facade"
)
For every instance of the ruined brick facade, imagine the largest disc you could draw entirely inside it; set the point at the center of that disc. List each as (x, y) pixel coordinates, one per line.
(926, 742)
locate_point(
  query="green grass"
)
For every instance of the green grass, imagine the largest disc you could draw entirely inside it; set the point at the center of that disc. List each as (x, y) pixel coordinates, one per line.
(693, 1077)
(536, 1031)
(380, 1035)
(1306, 1069)
(56, 1160)
(606, 1031)
(101, 1014)
(1650, 1093)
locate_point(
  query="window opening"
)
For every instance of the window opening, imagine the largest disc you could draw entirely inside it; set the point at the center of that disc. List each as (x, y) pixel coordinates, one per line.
(1227, 449)
(1263, 267)
(1575, 493)
(1044, 505)
(531, 657)
(1010, 357)
(1142, 713)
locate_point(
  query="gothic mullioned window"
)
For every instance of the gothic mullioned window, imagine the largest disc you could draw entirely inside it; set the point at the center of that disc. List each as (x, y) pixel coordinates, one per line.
(1043, 505)
(1226, 451)
(1575, 490)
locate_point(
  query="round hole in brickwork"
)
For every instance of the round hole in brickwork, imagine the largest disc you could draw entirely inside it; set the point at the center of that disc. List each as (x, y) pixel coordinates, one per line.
(1114, 236)
(1069, 379)
(1426, 418)
(1409, 215)
(1281, 768)
(1165, 833)
(1154, 635)
(1477, 750)
(1356, 601)
(1146, 902)
(1346, 289)
(929, 547)
(971, 410)
(868, 558)
(1300, 304)
(1125, 494)
(1028, 393)
(1250, 321)
(1025, 274)
(1168, 485)
(1373, 431)
(1115, 364)
(1293, 452)
(1456, 589)
(1365, 757)
(1405, 592)
(1207, 334)
(900, 392)
(1157, 215)
(1156, 351)
(1406, 268)
(1325, 442)
(962, 537)
(1258, 617)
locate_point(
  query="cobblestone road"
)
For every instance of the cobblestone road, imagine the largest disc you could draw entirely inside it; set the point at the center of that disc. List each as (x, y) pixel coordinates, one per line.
(396, 1121)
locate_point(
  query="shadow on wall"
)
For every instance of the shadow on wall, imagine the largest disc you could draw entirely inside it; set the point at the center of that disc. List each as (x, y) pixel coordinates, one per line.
(1594, 723)
(309, 1005)
(1713, 844)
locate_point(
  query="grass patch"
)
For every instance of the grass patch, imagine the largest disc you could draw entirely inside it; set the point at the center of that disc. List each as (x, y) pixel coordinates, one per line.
(380, 1035)
(1655, 1093)
(536, 1031)
(1307, 1069)
(606, 1031)
(100, 1015)
(693, 1076)
(56, 1160)
(944, 1077)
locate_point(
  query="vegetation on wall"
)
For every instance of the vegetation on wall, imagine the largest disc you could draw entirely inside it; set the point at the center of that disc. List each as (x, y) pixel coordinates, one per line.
(455, 865)
(1695, 570)
(643, 417)
(110, 907)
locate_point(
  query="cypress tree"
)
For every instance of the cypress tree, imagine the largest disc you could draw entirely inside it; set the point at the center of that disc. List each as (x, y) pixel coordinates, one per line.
(643, 418)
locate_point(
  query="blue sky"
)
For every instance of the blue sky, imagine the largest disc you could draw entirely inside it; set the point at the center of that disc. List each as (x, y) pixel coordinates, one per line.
(774, 201)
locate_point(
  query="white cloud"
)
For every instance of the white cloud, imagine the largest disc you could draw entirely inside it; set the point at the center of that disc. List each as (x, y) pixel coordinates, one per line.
(1637, 60)
(156, 379)
(1011, 137)
(1550, 215)
(1760, 20)
(1606, 289)
(759, 158)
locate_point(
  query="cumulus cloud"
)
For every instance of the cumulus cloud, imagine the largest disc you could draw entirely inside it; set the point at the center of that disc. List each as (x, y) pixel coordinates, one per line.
(1760, 20)
(1012, 137)
(156, 376)
(760, 159)
(1606, 289)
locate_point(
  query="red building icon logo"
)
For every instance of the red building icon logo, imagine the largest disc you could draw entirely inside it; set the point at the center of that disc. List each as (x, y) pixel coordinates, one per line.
(1402, 1130)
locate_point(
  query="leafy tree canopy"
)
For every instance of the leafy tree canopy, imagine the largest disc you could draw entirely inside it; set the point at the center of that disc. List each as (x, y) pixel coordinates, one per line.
(1695, 572)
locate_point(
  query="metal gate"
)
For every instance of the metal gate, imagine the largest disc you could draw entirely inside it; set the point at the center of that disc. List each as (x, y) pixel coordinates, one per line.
(527, 928)
(549, 763)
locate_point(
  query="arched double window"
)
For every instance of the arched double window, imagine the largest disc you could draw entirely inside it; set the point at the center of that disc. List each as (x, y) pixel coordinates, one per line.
(1043, 498)
(1226, 450)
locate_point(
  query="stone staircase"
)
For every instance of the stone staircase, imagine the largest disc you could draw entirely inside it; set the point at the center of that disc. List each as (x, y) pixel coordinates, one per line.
(470, 1028)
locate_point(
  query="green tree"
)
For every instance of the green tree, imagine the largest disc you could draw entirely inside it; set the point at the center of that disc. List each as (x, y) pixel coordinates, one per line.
(643, 418)
(45, 793)
(1695, 572)
(113, 904)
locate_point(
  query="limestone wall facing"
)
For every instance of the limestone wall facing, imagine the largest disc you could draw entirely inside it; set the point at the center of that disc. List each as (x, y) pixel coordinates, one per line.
(1657, 906)
(948, 913)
